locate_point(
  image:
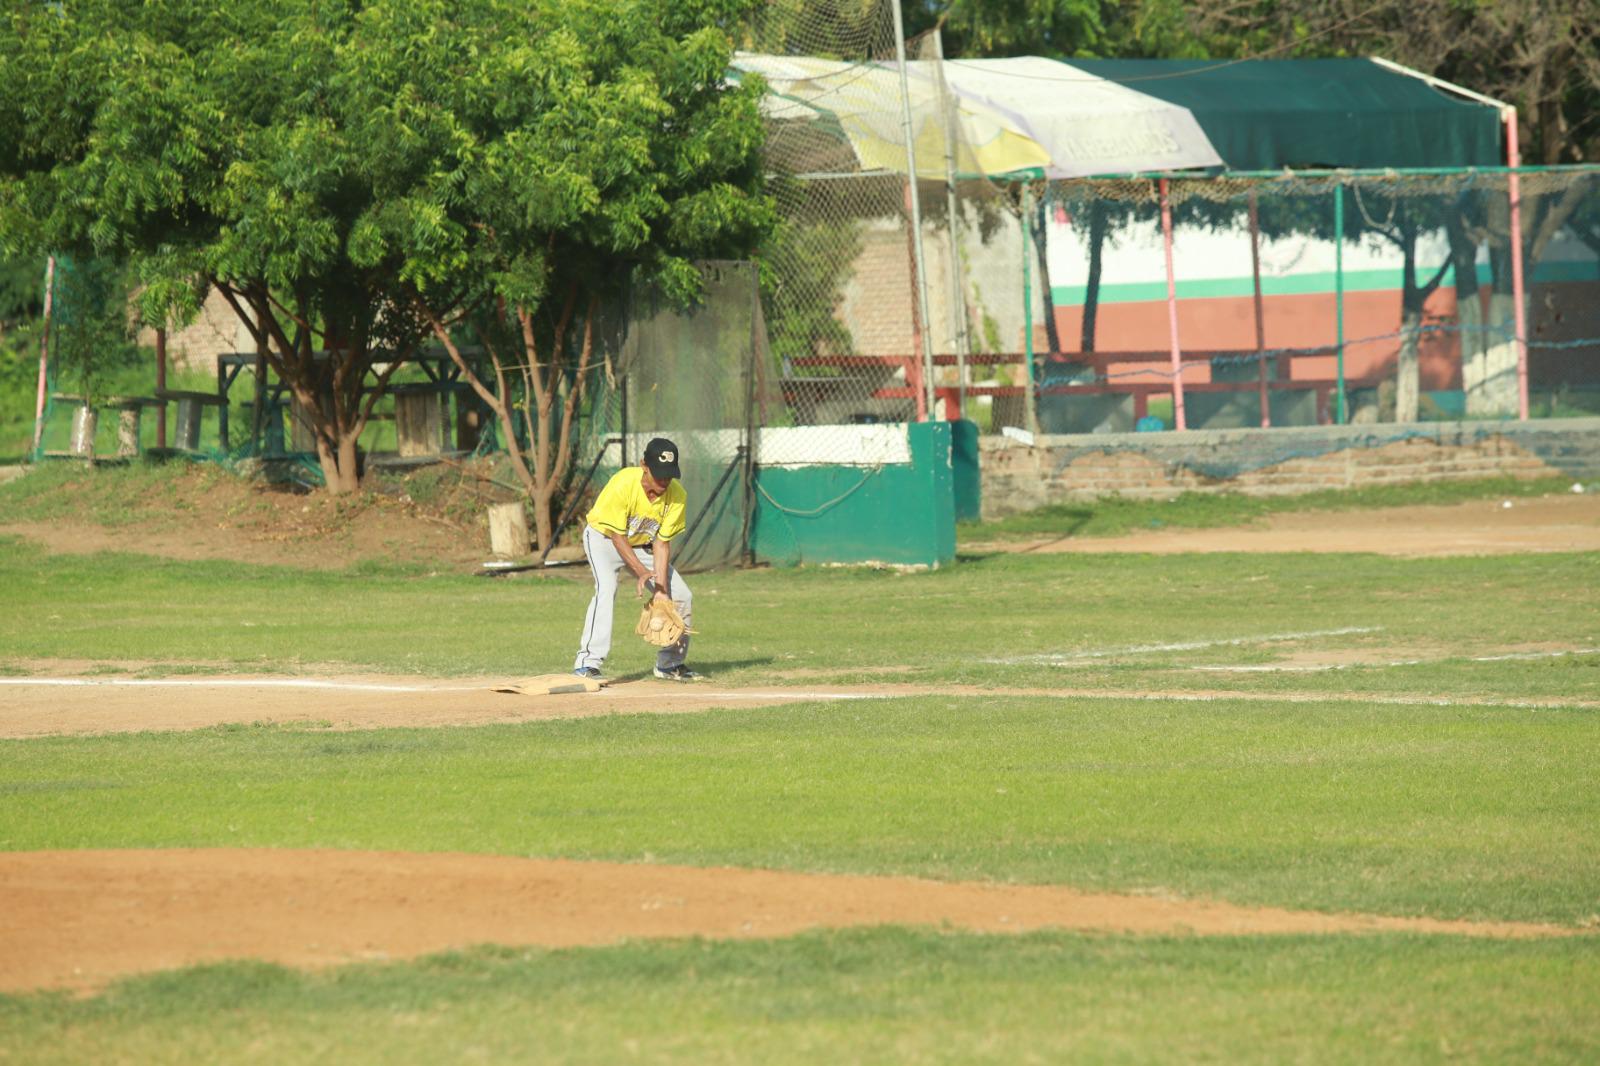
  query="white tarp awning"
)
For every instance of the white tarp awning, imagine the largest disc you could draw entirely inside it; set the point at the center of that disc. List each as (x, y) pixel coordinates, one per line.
(1011, 116)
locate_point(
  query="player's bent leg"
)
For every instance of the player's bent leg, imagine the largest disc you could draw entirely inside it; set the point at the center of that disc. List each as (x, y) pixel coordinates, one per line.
(671, 658)
(604, 564)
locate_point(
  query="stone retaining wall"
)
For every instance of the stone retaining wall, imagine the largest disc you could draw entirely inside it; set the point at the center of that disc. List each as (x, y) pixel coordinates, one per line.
(1019, 477)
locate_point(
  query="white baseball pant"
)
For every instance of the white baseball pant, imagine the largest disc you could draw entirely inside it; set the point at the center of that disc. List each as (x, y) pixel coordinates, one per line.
(606, 564)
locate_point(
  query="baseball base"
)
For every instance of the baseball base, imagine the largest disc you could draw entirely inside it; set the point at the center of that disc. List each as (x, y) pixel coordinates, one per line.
(550, 685)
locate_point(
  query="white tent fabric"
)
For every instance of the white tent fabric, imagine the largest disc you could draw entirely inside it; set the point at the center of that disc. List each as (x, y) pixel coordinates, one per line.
(1007, 117)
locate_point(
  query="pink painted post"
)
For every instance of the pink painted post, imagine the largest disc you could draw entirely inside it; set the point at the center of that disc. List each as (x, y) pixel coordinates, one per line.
(1178, 420)
(1519, 312)
(44, 352)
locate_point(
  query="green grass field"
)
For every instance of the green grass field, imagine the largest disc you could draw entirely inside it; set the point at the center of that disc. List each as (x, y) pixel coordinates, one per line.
(1336, 733)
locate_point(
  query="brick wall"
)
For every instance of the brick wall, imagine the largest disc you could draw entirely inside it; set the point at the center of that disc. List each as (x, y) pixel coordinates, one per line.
(216, 331)
(1019, 477)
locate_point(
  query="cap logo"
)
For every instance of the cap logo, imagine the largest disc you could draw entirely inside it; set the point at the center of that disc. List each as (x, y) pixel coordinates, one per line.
(668, 457)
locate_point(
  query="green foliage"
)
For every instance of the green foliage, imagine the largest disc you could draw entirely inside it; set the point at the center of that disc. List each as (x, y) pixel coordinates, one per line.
(21, 304)
(805, 268)
(527, 148)
(979, 28)
(91, 334)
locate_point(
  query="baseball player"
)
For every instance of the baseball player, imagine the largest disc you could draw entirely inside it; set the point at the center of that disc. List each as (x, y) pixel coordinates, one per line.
(631, 526)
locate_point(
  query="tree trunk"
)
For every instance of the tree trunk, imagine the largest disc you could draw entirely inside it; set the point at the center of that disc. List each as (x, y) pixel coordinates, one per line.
(544, 527)
(329, 389)
(1407, 375)
(338, 461)
(1496, 389)
(1041, 246)
(1472, 341)
(1413, 302)
(1091, 292)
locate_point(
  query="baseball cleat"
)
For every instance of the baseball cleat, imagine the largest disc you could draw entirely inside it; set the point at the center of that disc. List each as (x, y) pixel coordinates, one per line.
(588, 673)
(679, 673)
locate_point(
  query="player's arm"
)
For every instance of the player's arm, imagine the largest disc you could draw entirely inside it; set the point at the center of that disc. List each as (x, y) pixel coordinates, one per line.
(662, 551)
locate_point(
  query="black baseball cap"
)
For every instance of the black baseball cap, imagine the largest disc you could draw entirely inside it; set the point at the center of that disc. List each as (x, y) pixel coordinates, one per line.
(661, 456)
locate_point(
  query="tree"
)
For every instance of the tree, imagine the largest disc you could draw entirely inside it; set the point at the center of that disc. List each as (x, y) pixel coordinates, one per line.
(352, 175)
(210, 145)
(91, 334)
(539, 157)
(987, 28)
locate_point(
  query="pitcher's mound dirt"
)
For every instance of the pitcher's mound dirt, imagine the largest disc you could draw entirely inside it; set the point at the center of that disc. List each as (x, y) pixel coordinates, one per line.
(78, 919)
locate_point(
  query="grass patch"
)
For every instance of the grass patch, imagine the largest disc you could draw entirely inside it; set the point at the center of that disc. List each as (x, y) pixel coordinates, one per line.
(143, 494)
(860, 996)
(1011, 620)
(1447, 812)
(1114, 516)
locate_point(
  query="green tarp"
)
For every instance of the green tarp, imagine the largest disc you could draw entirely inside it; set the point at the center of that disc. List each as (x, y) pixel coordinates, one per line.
(1266, 114)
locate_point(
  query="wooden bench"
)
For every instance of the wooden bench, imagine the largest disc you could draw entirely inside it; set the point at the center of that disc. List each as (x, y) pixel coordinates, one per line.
(191, 405)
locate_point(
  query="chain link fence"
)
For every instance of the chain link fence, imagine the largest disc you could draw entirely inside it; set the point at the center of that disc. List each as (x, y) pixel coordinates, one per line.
(1307, 299)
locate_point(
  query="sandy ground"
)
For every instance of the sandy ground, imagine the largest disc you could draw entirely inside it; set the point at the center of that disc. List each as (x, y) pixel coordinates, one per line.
(44, 705)
(77, 919)
(1480, 527)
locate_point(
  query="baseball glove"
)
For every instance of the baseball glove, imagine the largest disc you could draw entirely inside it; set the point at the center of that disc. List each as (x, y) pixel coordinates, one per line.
(660, 623)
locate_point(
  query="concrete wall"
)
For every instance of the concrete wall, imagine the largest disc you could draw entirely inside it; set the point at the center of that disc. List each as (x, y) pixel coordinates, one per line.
(1018, 477)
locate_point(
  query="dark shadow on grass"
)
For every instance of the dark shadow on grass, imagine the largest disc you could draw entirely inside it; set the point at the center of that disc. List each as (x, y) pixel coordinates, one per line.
(709, 667)
(1053, 524)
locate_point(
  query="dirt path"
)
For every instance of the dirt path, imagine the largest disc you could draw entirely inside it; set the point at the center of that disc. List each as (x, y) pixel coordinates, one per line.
(1480, 527)
(70, 705)
(45, 706)
(78, 919)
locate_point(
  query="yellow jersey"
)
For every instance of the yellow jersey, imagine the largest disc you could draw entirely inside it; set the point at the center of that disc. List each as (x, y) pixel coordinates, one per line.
(623, 507)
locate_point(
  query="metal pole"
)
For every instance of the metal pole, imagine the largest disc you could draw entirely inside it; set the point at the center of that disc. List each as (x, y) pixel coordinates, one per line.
(1261, 328)
(44, 355)
(916, 368)
(1178, 420)
(958, 301)
(916, 204)
(622, 445)
(1030, 414)
(752, 430)
(1338, 299)
(161, 387)
(1519, 311)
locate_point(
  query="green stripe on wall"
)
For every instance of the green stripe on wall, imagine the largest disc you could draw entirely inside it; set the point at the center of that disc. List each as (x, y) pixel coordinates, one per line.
(1297, 285)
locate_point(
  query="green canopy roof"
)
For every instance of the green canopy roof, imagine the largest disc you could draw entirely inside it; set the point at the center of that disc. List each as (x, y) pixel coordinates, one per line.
(1267, 114)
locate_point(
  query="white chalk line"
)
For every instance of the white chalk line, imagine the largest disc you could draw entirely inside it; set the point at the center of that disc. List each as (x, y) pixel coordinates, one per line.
(358, 686)
(262, 682)
(1310, 668)
(1060, 658)
(1326, 697)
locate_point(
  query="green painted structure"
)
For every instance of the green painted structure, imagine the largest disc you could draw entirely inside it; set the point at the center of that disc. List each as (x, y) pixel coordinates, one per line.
(901, 514)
